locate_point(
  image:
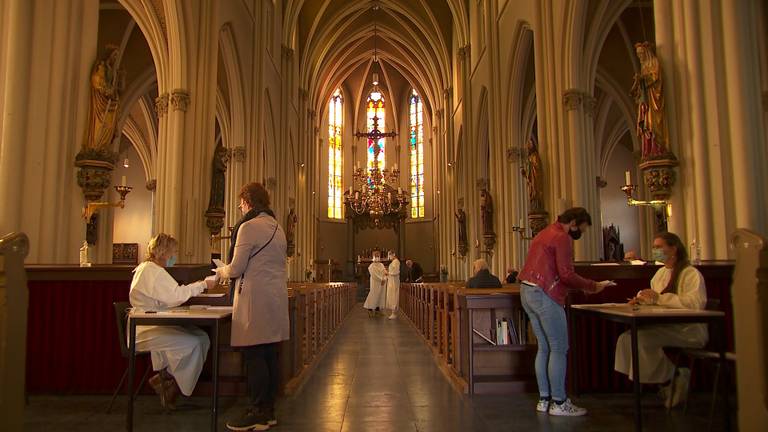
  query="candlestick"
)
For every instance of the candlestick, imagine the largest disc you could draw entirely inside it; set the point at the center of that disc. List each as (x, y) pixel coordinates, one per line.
(399, 190)
(521, 222)
(627, 178)
(123, 182)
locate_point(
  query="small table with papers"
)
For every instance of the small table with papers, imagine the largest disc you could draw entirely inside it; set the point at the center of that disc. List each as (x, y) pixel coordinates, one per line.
(638, 316)
(202, 316)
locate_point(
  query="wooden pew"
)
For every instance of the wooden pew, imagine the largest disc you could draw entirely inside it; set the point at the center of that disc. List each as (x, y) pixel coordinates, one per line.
(14, 300)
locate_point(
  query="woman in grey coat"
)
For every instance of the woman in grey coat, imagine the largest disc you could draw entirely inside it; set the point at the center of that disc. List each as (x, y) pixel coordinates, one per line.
(260, 312)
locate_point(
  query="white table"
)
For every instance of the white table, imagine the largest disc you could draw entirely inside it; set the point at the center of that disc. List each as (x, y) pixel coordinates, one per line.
(638, 316)
(198, 316)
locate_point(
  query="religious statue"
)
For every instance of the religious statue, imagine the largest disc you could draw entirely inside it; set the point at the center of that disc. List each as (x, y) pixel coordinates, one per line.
(106, 83)
(486, 211)
(647, 92)
(290, 231)
(461, 222)
(532, 172)
(218, 180)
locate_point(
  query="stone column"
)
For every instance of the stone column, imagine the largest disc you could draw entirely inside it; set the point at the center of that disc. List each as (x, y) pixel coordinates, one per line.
(47, 62)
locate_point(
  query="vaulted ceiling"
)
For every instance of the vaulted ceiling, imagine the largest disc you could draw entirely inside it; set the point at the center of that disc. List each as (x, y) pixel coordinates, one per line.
(335, 39)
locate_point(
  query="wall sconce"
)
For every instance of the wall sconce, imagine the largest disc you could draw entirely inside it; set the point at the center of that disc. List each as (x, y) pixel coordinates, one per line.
(522, 230)
(125, 163)
(301, 164)
(93, 207)
(450, 164)
(658, 204)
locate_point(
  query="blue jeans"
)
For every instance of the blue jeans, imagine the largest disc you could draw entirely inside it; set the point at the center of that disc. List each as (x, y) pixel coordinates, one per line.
(551, 330)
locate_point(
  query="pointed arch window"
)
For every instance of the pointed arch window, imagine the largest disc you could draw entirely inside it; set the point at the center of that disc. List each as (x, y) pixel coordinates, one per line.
(376, 113)
(416, 149)
(335, 156)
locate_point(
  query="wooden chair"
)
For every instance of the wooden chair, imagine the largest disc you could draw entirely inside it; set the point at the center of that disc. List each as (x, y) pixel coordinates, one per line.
(121, 319)
(14, 301)
(703, 354)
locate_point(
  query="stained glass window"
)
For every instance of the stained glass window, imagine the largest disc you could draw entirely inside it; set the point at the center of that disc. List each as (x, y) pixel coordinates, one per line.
(416, 147)
(335, 157)
(376, 121)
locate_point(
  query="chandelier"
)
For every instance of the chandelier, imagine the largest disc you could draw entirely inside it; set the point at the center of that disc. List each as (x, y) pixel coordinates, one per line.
(373, 193)
(373, 190)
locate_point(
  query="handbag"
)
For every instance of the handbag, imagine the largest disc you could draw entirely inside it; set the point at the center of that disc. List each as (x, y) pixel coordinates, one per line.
(242, 278)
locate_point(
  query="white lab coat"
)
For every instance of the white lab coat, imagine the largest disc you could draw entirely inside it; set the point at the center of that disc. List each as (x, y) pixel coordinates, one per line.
(376, 294)
(180, 349)
(655, 367)
(393, 284)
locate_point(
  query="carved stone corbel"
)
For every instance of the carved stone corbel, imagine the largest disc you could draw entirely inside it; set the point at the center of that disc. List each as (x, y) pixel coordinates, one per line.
(161, 104)
(573, 99)
(180, 100)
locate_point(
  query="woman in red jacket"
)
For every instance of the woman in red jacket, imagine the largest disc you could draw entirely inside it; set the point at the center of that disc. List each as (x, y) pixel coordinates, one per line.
(547, 276)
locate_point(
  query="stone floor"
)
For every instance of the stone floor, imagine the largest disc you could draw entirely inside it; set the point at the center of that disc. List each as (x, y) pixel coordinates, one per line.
(377, 375)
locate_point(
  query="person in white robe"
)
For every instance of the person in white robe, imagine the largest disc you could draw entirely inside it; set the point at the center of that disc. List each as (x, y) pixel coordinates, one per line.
(178, 353)
(376, 295)
(676, 285)
(393, 284)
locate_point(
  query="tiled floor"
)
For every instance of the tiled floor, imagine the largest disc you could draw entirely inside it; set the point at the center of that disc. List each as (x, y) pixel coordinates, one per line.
(377, 375)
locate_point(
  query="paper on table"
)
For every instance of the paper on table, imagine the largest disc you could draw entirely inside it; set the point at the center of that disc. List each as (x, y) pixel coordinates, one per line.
(210, 295)
(637, 262)
(219, 263)
(606, 264)
(210, 278)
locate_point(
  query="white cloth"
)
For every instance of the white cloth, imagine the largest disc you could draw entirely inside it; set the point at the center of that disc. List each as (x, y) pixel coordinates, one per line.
(182, 350)
(375, 297)
(655, 367)
(393, 284)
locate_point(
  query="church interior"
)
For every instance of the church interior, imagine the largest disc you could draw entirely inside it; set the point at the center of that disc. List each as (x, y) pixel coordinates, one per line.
(447, 136)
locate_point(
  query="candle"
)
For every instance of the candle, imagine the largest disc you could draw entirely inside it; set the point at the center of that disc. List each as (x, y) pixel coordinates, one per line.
(521, 223)
(389, 195)
(357, 165)
(399, 190)
(123, 181)
(627, 178)
(350, 190)
(395, 166)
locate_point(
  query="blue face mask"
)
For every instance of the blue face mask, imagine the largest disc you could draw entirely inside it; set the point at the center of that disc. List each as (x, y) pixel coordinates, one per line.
(658, 255)
(170, 261)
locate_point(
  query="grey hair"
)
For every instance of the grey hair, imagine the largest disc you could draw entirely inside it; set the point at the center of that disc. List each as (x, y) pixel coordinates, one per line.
(161, 245)
(480, 264)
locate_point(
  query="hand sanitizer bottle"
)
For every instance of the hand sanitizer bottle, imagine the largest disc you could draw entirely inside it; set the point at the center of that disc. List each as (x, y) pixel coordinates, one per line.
(84, 255)
(695, 253)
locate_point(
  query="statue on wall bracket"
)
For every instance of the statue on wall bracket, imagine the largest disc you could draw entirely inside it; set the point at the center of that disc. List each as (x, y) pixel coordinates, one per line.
(657, 160)
(532, 172)
(215, 214)
(461, 223)
(290, 231)
(96, 158)
(486, 212)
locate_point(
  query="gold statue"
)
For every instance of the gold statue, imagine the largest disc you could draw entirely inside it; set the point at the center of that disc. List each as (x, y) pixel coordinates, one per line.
(532, 172)
(647, 92)
(105, 87)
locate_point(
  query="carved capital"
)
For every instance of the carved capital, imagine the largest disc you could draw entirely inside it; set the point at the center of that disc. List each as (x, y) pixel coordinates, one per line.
(180, 100)
(238, 154)
(481, 183)
(572, 99)
(152, 185)
(287, 52)
(590, 104)
(271, 183)
(161, 104)
(464, 52)
(447, 92)
(515, 154)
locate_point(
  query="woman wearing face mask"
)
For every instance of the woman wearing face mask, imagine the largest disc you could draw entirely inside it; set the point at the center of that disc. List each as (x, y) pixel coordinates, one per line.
(393, 284)
(178, 353)
(546, 277)
(676, 285)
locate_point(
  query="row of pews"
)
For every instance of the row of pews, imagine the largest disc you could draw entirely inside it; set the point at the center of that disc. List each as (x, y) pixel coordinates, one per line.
(73, 345)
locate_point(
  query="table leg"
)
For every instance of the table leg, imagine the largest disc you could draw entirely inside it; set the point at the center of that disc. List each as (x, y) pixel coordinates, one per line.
(725, 384)
(215, 372)
(636, 379)
(574, 354)
(131, 371)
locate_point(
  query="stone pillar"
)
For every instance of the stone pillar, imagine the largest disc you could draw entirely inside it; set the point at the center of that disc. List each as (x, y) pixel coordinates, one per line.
(48, 53)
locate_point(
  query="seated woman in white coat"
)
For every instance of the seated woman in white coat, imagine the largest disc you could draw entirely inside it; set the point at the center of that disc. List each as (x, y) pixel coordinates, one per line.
(177, 352)
(393, 284)
(676, 285)
(376, 296)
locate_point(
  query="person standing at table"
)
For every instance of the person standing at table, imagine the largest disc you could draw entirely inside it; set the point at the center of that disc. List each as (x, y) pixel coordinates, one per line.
(177, 352)
(376, 296)
(393, 284)
(546, 277)
(677, 285)
(260, 310)
(415, 273)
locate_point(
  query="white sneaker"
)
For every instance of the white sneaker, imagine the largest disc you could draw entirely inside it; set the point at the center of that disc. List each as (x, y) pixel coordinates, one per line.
(680, 393)
(393, 316)
(542, 406)
(566, 408)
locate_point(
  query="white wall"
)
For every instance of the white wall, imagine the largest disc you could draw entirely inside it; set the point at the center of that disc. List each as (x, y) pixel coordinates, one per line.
(132, 224)
(613, 202)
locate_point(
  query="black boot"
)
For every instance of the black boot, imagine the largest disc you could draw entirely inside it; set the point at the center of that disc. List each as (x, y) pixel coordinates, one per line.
(252, 419)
